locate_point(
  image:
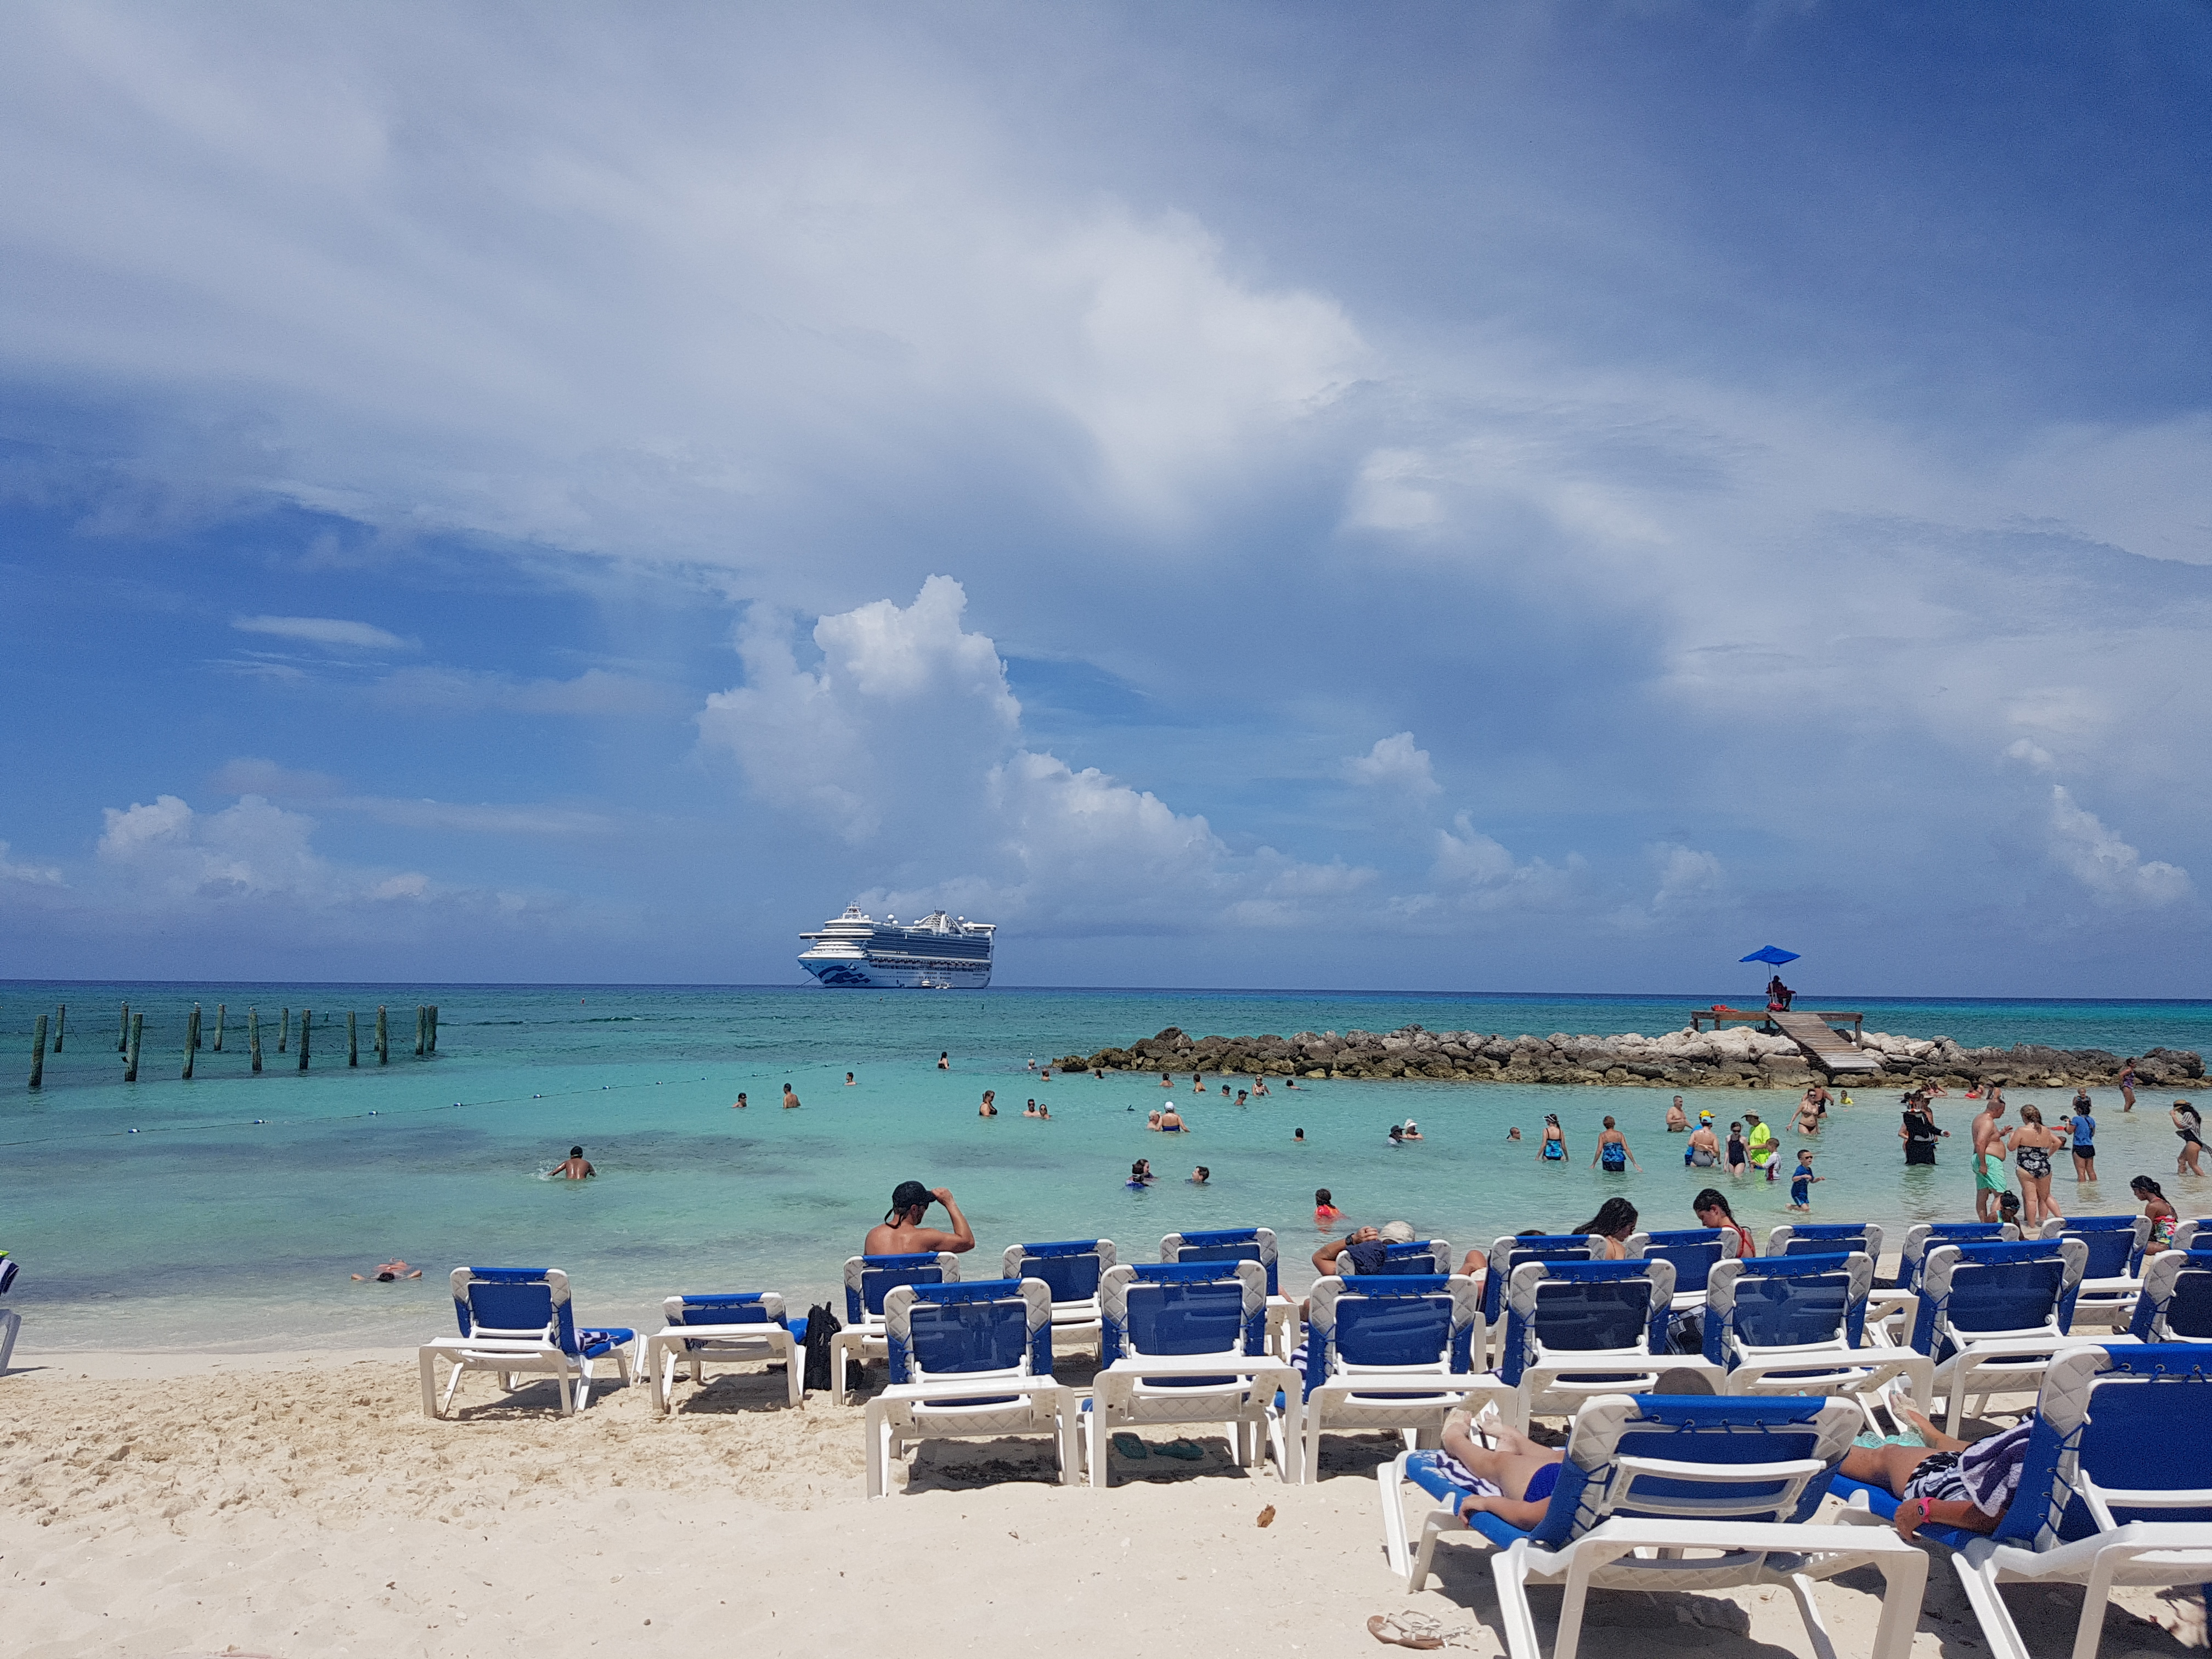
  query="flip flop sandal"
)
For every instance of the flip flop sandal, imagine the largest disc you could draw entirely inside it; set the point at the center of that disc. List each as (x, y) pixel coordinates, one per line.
(1182, 1450)
(1130, 1446)
(1387, 1630)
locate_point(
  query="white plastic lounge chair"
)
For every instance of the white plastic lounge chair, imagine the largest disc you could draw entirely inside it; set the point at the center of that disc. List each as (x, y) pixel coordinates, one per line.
(1243, 1244)
(1578, 1329)
(517, 1321)
(11, 1323)
(1506, 1254)
(2113, 1276)
(868, 1280)
(1825, 1238)
(2116, 1489)
(1795, 1325)
(1073, 1268)
(2176, 1304)
(2184, 1235)
(747, 1327)
(1187, 1342)
(1695, 1252)
(1992, 1317)
(969, 1362)
(1665, 1493)
(1388, 1350)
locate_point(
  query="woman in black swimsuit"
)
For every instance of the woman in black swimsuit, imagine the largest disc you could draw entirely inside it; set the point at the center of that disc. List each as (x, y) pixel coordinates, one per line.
(1919, 1132)
(2032, 1146)
(2186, 1123)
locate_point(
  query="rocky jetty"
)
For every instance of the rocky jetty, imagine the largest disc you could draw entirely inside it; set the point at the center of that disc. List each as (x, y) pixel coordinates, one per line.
(1737, 1058)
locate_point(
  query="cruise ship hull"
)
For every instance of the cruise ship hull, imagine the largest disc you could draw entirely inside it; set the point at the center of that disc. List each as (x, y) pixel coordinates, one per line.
(861, 973)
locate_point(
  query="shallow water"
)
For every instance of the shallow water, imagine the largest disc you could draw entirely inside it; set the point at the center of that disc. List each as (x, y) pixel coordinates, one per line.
(228, 1211)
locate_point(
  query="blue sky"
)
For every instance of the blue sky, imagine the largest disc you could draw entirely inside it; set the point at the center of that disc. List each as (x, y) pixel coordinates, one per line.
(1458, 497)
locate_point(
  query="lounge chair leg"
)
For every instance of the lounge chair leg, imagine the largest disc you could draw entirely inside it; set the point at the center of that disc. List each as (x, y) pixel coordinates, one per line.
(1510, 1569)
(453, 1383)
(1905, 1586)
(1066, 1427)
(1802, 1588)
(429, 1365)
(1997, 1627)
(2094, 1596)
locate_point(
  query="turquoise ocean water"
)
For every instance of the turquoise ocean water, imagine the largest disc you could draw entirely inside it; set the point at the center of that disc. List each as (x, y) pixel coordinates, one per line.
(232, 1216)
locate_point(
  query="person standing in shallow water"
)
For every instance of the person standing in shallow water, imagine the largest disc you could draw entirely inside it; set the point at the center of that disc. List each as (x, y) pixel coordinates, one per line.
(790, 1099)
(1612, 1152)
(1554, 1147)
(1990, 1161)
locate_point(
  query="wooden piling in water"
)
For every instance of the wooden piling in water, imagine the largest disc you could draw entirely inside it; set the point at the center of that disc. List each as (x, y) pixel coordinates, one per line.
(283, 1029)
(192, 1040)
(353, 1044)
(61, 1020)
(123, 1032)
(306, 1019)
(383, 1038)
(433, 1028)
(253, 1034)
(220, 1010)
(137, 1037)
(39, 1055)
(420, 1019)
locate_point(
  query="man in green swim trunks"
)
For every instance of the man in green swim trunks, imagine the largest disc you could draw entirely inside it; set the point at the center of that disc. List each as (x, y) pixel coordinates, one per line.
(1989, 1157)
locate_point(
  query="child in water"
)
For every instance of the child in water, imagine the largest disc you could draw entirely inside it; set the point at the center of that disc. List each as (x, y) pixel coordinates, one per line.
(1801, 1181)
(1325, 1210)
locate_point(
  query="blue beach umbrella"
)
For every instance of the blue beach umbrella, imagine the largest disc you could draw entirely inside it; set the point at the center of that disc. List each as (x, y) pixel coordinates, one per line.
(1773, 953)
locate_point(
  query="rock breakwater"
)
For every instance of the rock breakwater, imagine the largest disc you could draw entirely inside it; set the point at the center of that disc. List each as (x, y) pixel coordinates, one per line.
(1738, 1058)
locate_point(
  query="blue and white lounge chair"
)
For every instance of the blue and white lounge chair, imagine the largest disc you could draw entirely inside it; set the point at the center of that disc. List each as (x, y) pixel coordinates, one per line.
(1388, 1350)
(1825, 1238)
(1992, 1317)
(1507, 1254)
(1242, 1245)
(2176, 1304)
(517, 1321)
(2184, 1235)
(1892, 1309)
(969, 1362)
(868, 1281)
(1796, 1325)
(1665, 1493)
(11, 1323)
(1695, 1252)
(1187, 1342)
(1423, 1256)
(747, 1327)
(1072, 1268)
(2113, 1277)
(1578, 1329)
(2116, 1489)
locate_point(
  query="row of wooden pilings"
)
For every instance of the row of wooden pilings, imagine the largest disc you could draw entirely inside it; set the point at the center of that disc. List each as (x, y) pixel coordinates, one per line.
(130, 1032)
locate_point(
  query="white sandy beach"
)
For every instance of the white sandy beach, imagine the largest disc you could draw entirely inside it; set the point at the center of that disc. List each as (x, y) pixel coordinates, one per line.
(171, 1504)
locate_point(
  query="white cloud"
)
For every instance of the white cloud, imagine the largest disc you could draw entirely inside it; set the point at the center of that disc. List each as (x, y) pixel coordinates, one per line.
(2107, 866)
(2030, 754)
(1393, 764)
(906, 706)
(327, 631)
(41, 875)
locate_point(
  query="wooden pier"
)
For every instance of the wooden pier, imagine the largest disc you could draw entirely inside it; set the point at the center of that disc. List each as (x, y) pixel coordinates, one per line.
(1813, 1031)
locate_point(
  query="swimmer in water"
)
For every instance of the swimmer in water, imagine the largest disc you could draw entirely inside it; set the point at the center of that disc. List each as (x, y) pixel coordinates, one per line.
(1140, 1173)
(1290, 1083)
(1171, 1122)
(1513, 1135)
(944, 1060)
(1241, 1096)
(848, 1080)
(1201, 1175)
(1166, 1082)
(1298, 1136)
(1030, 1110)
(1325, 1210)
(388, 1271)
(738, 1104)
(575, 1169)
(1259, 1087)
(990, 1106)
(790, 1100)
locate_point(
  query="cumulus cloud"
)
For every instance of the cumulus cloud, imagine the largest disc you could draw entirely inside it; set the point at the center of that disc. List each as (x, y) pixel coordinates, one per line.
(2106, 864)
(2030, 754)
(329, 632)
(1686, 876)
(1394, 764)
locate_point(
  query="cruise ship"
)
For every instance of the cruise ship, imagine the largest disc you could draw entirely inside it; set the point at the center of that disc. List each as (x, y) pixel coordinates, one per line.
(938, 953)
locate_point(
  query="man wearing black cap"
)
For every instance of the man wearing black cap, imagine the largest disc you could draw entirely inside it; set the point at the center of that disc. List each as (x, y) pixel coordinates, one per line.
(902, 1232)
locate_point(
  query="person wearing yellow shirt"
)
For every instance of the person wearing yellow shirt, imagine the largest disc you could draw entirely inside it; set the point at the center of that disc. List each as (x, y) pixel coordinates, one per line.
(1760, 1143)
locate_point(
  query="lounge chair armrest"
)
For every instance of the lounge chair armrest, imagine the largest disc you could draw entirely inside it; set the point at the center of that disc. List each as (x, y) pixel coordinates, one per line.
(1723, 1473)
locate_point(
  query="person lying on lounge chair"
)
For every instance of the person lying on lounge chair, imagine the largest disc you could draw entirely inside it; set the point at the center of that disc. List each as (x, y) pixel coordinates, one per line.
(1518, 1474)
(1951, 1483)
